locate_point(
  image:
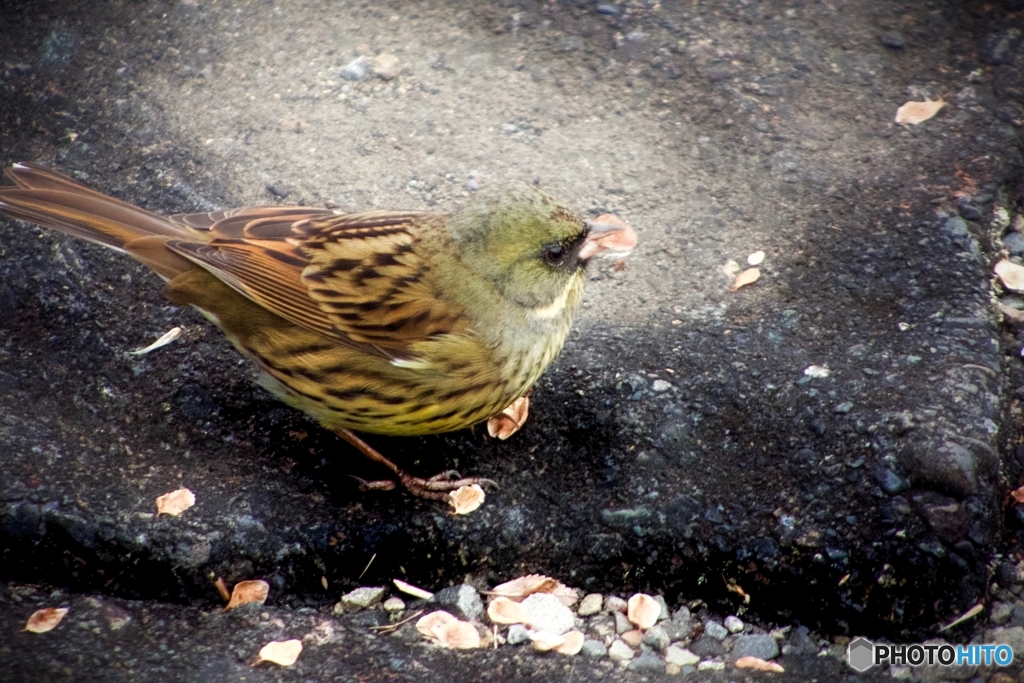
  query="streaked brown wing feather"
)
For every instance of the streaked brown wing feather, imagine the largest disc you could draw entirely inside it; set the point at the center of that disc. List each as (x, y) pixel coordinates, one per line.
(257, 222)
(368, 276)
(266, 272)
(355, 278)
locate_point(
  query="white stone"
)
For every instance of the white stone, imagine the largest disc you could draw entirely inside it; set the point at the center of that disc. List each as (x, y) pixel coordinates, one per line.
(733, 624)
(620, 652)
(680, 656)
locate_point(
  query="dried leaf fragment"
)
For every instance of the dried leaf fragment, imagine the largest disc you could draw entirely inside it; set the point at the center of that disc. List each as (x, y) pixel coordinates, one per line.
(175, 502)
(46, 619)
(747, 277)
(246, 592)
(643, 610)
(758, 664)
(918, 112)
(1011, 275)
(412, 590)
(164, 340)
(280, 652)
(466, 499)
(505, 611)
(507, 422)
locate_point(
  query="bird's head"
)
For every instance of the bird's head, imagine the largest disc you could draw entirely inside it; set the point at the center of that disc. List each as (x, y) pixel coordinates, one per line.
(531, 247)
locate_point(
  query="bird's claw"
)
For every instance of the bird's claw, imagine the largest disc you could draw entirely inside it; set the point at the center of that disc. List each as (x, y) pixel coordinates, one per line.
(439, 486)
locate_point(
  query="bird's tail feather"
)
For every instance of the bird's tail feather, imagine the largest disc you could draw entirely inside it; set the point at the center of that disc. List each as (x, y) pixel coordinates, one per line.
(53, 200)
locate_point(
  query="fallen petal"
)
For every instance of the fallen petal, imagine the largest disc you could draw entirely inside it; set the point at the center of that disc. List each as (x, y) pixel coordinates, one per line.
(505, 611)
(572, 645)
(246, 592)
(758, 664)
(460, 635)
(643, 611)
(280, 652)
(1011, 275)
(747, 277)
(175, 502)
(465, 499)
(508, 421)
(918, 112)
(46, 619)
(429, 623)
(546, 640)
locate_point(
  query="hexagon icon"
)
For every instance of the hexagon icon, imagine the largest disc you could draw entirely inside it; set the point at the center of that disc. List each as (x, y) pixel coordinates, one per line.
(860, 654)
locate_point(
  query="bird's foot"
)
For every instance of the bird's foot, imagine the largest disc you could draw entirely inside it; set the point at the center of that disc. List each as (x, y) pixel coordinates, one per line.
(507, 422)
(435, 488)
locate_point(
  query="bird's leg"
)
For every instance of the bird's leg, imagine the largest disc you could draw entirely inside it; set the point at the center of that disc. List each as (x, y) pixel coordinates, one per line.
(436, 488)
(507, 422)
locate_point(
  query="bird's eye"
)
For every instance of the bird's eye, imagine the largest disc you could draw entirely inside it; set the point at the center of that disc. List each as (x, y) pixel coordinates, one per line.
(555, 254)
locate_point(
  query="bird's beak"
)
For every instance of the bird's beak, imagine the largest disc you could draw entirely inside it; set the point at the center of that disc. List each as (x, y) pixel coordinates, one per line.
(608, 236)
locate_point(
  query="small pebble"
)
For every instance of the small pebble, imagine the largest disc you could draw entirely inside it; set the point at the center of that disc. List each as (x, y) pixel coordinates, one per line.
(656, 638)
(590, 605)
(665, 612)
(613, 603)
(622, 623)
(680, 656)
(1001, 612)
(661, 385)
(620, 652)
(709, 665)
(362, 597)
(893, 40)
(594, 648)
(463, 600)
(647, 661)
(706, 646)
(603, 628)
(517, 635)
(760, 646)
(387, 67)
(548, 613)
(715, 630)
(680, 625)
(356, 70)
(632, 638)
(394, 604)
(843, 408)
(733, 624)
(1014, 243)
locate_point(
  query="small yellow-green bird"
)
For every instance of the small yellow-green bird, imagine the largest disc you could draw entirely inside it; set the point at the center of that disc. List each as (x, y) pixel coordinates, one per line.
(389, 322)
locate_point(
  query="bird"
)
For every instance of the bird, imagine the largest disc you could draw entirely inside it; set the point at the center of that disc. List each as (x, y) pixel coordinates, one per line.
(401, 323)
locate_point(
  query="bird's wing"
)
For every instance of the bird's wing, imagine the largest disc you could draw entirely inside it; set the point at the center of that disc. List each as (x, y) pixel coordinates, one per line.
(368, 273)
(354, 277)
